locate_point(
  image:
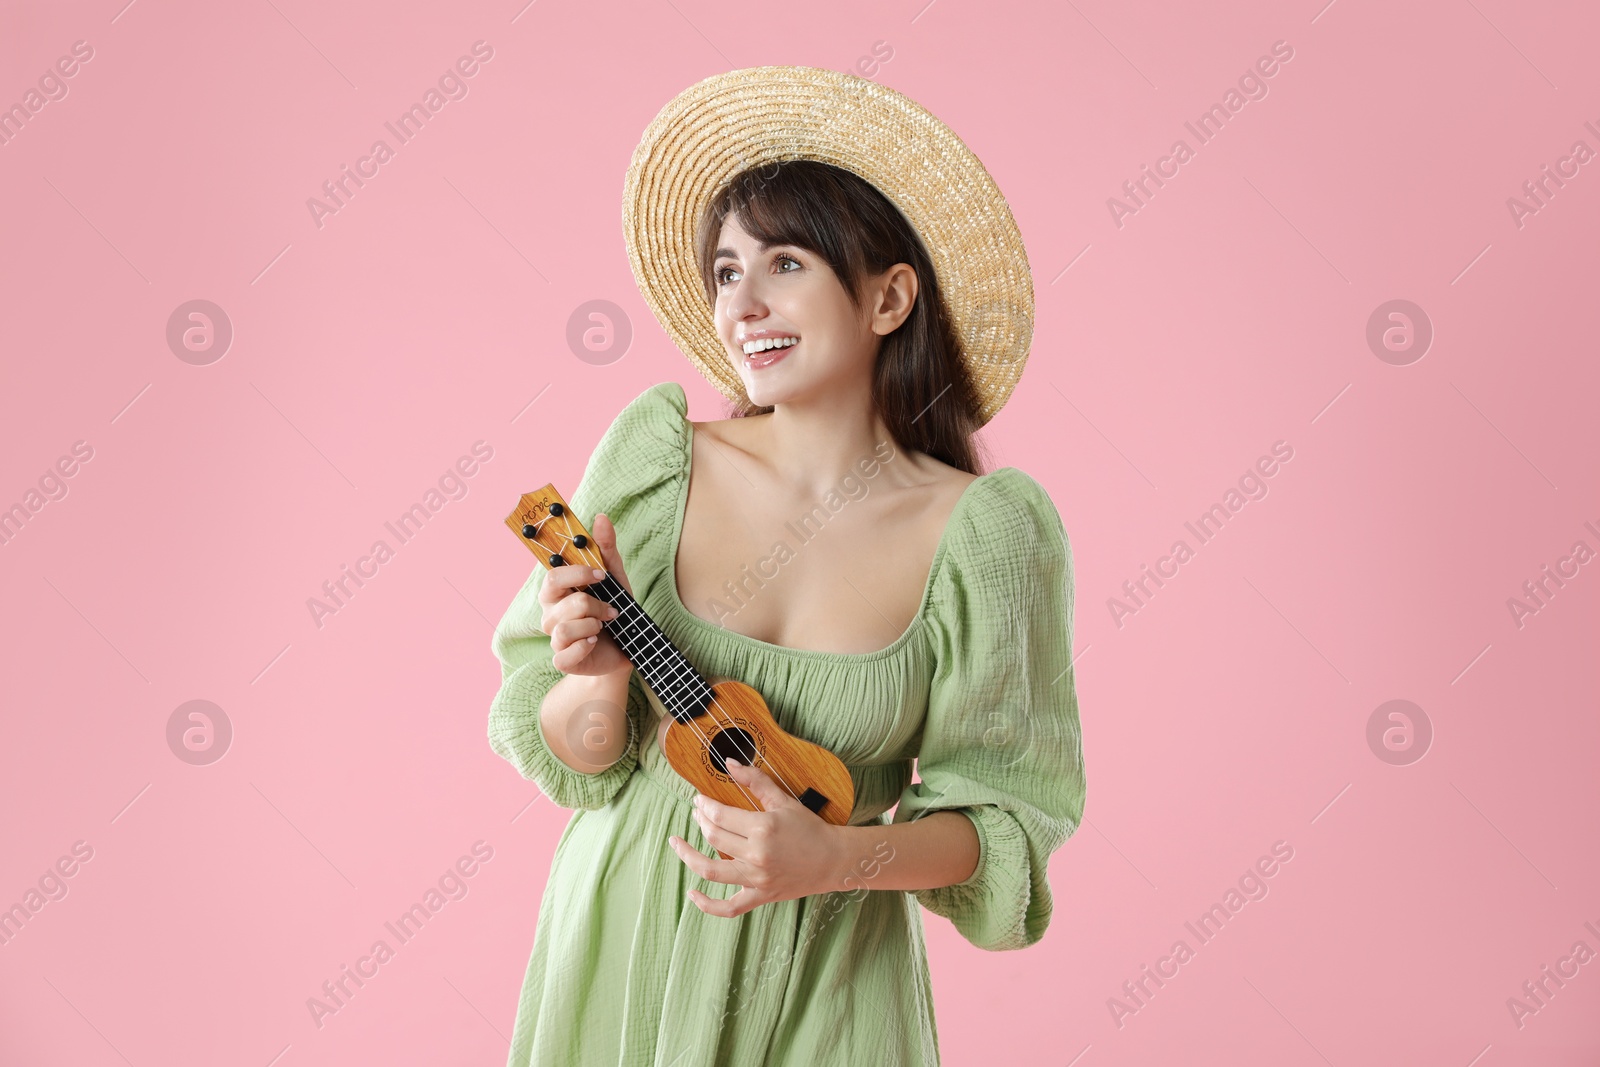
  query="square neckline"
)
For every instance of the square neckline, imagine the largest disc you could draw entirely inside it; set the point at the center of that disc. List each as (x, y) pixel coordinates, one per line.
(679, 607)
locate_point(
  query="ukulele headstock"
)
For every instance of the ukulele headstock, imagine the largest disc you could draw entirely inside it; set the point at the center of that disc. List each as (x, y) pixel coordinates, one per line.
(545, 523)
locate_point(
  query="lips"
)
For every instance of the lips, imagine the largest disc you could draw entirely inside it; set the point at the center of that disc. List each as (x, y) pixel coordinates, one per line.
(767, 358)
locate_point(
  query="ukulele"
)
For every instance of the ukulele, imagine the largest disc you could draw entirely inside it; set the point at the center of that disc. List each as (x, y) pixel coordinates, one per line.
(708, 720)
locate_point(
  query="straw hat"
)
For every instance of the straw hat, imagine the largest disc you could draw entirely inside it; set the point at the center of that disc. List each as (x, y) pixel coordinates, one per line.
(747, 118)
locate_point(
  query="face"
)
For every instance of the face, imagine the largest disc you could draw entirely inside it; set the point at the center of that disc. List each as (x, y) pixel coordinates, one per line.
(787, 292)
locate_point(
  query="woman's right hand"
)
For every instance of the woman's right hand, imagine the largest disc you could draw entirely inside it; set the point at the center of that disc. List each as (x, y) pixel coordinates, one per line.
(573, 618)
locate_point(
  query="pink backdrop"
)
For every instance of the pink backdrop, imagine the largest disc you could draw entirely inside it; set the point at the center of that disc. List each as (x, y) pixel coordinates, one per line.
(1438, 462)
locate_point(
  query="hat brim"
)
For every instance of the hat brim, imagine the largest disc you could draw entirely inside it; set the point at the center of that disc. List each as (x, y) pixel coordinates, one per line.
(748, 118)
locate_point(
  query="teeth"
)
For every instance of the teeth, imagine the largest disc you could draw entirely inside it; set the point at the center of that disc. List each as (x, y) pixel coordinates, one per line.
(752, 347)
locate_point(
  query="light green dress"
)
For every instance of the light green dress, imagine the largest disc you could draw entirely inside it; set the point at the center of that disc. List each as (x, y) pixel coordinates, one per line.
(979, 690)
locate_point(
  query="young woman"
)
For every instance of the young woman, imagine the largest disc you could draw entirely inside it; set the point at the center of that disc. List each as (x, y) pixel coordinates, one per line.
(852, 280)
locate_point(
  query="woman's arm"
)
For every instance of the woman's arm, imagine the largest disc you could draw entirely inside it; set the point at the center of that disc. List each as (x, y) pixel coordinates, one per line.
(937, 850)
(785, 851)
(584, 719)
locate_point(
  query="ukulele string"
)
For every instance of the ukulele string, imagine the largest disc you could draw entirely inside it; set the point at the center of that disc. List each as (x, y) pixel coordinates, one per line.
(746, 752)
(732, 730)
(568, 536)
(704, 740)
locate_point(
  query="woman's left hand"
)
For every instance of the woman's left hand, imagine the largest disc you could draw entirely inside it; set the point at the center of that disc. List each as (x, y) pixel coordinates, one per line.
(783, 852)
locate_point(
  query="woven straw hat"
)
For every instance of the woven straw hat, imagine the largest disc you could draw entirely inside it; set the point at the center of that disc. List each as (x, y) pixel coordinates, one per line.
(748, 118)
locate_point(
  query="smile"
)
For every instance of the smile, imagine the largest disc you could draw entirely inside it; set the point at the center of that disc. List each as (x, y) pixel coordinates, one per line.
(765, 353)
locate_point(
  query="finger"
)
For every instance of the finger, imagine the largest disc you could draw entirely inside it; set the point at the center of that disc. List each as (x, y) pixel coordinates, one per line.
(712, 870)
(769, 797)
(559, 581)
(759, 784)
(573, 631)
(583, 605)
(736, 905)
(730, 819)
(567, 658)
(725, 841)
(605, 537)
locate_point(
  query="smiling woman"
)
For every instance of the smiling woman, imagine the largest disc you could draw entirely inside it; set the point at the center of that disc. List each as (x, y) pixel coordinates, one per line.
(851, 279)
(818, 235)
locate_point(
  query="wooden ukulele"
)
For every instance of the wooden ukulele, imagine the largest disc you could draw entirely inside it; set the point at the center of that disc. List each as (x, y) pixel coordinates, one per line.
(710, 721)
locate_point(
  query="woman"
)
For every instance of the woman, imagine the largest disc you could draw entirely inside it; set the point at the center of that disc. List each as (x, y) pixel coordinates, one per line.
(850, 278)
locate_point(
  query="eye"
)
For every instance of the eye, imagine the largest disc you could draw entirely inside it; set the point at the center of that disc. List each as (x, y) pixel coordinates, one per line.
(721, 273)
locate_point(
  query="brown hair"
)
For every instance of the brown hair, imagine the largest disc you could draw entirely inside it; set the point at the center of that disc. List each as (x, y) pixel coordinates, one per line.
(920, 385)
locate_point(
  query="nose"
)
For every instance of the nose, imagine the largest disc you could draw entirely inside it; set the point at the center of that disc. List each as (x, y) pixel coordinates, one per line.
(744, 300)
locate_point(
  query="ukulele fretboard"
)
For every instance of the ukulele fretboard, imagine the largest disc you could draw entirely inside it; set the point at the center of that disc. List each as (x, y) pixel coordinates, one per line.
(682, 690)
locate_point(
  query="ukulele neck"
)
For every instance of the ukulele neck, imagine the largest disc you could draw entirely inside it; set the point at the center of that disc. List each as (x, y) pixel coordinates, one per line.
(682, 690)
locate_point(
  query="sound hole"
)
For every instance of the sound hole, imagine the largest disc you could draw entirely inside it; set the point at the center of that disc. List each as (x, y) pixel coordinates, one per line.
(733, 742)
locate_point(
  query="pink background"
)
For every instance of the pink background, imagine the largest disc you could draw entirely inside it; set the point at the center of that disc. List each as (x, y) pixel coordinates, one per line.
(1230, 312)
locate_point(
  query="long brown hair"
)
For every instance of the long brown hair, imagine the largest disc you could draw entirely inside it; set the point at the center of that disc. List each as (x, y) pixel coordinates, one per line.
(920, 385)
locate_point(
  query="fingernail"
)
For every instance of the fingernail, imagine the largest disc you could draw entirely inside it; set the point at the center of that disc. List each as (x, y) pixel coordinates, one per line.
(733, 762)
(593, 638)
(599, 574)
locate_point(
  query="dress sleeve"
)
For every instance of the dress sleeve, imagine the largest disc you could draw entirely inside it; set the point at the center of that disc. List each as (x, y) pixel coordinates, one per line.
(1001, 741)
(629, 477)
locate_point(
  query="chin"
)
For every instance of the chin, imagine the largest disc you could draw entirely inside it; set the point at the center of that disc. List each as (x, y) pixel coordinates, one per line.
(765, 396)
(761, 389)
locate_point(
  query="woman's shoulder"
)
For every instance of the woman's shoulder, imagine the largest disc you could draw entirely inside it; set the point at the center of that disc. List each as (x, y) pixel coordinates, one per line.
(660, 413)
(664, 402)
(645, 445)
(1006, 526)
(1009, 501)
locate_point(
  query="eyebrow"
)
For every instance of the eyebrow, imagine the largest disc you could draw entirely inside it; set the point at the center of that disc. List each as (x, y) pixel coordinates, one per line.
(764, 246)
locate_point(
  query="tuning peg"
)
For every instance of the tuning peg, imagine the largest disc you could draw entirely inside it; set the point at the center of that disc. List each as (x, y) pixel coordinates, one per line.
(580, 541)
(528, 531)
(557, 509)
(557, 561)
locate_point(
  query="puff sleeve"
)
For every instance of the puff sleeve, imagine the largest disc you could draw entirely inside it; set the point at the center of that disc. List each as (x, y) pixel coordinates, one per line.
(1001, 741)
(629, 477)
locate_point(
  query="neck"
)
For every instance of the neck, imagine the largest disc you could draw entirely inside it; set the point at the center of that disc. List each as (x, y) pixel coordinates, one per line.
(816, 442)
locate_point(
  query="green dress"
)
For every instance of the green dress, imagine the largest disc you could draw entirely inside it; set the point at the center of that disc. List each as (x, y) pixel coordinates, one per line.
(979, 690)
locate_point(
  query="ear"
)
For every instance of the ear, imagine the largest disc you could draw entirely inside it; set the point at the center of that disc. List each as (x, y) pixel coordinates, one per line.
(892, 296)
